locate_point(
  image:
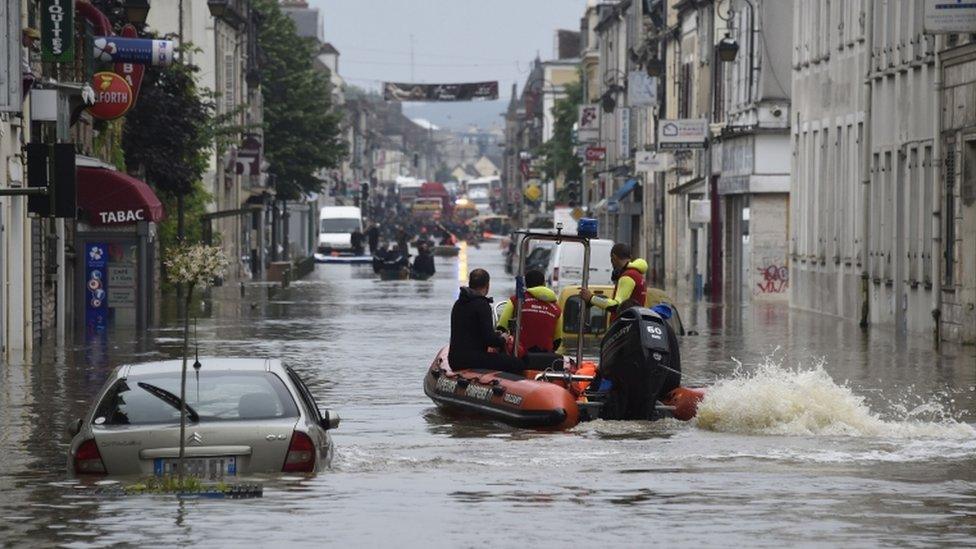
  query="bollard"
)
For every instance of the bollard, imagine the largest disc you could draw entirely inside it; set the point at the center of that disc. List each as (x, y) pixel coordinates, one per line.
(242, 289)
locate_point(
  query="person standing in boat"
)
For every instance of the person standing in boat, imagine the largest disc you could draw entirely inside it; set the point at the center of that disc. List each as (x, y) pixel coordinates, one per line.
(373, 237)
(541, 316)
(423, 264)
(473, 332)
(630, 288)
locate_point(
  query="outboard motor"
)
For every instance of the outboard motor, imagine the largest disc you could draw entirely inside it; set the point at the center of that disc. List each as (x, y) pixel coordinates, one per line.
(639, 356)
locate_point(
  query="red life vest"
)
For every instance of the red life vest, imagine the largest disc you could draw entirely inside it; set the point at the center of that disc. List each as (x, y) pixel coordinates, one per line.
(539, 319)
(637, 298)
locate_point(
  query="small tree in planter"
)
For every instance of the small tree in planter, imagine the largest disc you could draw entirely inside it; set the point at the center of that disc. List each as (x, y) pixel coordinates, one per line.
(192, 266)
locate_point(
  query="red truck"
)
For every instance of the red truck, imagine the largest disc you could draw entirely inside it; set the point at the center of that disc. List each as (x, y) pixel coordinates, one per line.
(436, 190)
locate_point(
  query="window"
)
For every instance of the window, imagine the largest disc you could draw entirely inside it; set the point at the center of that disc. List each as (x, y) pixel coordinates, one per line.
(215, 396)
(926, 219)
(684, 95)
(339, 225)
(915, 215)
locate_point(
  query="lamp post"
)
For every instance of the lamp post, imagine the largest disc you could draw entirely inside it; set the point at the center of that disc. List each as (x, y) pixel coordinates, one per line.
(136, 11)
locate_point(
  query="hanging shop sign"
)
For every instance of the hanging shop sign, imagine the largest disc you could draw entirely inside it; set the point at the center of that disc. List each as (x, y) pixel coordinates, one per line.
(623, 133)
(132, 72)
(248, 161)
(588, 124)
(641, 89)
(684, 133)
(57, 31)
(96, 288)
(472, 91)
(596, 154)
(650, 161)
(113, 96)
(119, 49)
(950, 16)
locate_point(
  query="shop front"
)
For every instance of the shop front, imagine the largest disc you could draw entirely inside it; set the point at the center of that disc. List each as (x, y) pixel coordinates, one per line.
(116, 270)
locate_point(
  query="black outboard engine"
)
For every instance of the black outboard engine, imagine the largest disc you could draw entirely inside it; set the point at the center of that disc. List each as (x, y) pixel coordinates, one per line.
(639, 356)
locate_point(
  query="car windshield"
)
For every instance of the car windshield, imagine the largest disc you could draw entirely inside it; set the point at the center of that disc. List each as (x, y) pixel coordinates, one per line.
(340, 225)
(215, 396)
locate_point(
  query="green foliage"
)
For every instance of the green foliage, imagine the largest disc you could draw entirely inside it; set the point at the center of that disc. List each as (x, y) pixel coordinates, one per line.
(170, 131)
(194, 207)
(301, 130)
(558, 151)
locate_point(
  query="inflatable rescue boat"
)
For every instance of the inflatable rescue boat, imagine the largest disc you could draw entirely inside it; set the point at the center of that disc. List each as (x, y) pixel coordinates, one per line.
(638, 378)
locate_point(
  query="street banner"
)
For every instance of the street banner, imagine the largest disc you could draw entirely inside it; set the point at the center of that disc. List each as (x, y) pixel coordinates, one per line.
(96, 288)
(623, 133)
(113, 96)
(641, 89)
(472, 91)
(684, 133)
(950, 16)
(596, 154)
(588, 124)
(57, 31)
(118, 49)
(132, 72)
(650, 161)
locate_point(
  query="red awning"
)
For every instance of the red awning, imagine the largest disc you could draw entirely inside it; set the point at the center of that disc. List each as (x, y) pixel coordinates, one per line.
(108, 197)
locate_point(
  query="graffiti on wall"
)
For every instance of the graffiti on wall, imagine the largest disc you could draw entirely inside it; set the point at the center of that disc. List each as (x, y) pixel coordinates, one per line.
(774, 279)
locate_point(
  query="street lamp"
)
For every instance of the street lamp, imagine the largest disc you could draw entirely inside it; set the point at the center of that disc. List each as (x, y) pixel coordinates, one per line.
(136, 11)
(727, 49)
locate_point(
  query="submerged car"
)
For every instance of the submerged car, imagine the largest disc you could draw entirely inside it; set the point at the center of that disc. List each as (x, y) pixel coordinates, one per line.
(244, 415)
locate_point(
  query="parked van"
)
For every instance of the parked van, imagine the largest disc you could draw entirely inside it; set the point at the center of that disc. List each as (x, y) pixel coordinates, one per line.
(336, 225)
(566, 264)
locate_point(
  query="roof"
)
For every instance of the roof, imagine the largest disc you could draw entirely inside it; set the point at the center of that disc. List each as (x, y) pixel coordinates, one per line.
(339, 211)
(208, 363)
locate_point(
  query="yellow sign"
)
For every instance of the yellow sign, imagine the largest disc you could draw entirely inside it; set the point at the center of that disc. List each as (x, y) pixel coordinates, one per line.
(577, 213)
(533, 192)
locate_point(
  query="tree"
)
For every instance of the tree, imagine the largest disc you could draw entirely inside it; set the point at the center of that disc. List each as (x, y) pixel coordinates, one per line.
(302, 132)
(560, 161)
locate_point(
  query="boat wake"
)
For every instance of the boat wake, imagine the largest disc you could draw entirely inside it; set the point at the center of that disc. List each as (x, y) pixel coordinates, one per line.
(776, 400)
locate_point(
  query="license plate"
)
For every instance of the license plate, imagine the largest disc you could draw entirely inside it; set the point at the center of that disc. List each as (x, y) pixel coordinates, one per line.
(213, 467)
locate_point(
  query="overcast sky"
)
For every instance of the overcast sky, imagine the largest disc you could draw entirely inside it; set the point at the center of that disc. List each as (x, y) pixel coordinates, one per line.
(453, 40)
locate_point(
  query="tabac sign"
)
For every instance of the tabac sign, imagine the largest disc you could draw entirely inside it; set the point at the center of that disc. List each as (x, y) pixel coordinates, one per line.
(57, 31)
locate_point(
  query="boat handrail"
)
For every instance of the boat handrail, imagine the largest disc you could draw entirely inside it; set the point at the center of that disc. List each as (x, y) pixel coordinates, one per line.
(562, 376)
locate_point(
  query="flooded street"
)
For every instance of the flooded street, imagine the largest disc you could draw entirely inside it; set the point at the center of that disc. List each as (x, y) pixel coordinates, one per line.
(815, 434)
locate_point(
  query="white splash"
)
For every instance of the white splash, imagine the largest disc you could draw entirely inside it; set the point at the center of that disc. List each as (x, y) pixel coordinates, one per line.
(774, 400)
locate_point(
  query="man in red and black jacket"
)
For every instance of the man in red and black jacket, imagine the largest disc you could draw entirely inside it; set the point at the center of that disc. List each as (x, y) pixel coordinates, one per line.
(540, 316)
(630, 288)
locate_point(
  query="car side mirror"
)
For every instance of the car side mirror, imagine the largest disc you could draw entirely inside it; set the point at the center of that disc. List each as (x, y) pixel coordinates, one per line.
(330, 419)
(75, 427)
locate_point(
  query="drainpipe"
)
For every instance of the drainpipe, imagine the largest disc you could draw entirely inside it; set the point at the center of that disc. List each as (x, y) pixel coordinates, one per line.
(938, 175)
(866, 170)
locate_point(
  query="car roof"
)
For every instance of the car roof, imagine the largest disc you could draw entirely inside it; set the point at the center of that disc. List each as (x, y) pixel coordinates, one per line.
(226, 364)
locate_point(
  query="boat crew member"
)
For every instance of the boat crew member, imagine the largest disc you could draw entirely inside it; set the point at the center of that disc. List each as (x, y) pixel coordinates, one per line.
(423, 264)
(373, 237)
(629, 290)
(541, 316)
(472, 331)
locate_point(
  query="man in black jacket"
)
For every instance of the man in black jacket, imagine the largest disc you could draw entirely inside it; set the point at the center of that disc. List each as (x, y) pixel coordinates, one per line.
(473, 330)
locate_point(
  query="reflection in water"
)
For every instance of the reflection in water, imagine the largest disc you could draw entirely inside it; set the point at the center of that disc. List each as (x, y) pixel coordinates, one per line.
(364, 346)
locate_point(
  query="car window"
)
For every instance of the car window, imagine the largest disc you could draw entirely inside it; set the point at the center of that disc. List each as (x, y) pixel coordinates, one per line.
(305, 395)
(215, 396)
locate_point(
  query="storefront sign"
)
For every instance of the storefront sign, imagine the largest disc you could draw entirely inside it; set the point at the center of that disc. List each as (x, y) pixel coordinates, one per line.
(132, 72)
(685, 133)
(122, 298)
(57, 31)
(588, 124)
(96, 288)
(950, 16)
(595, 154)
(650, 161)
(113, 96)
(641, 89)
(119, 49)
(123, 217)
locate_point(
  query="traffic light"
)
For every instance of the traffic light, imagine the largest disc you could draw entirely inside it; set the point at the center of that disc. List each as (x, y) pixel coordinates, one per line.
(572, 193)
(364, 193)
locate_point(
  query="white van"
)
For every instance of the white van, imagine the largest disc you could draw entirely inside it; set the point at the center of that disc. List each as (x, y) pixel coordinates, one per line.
(336, 225)
(566, 264)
